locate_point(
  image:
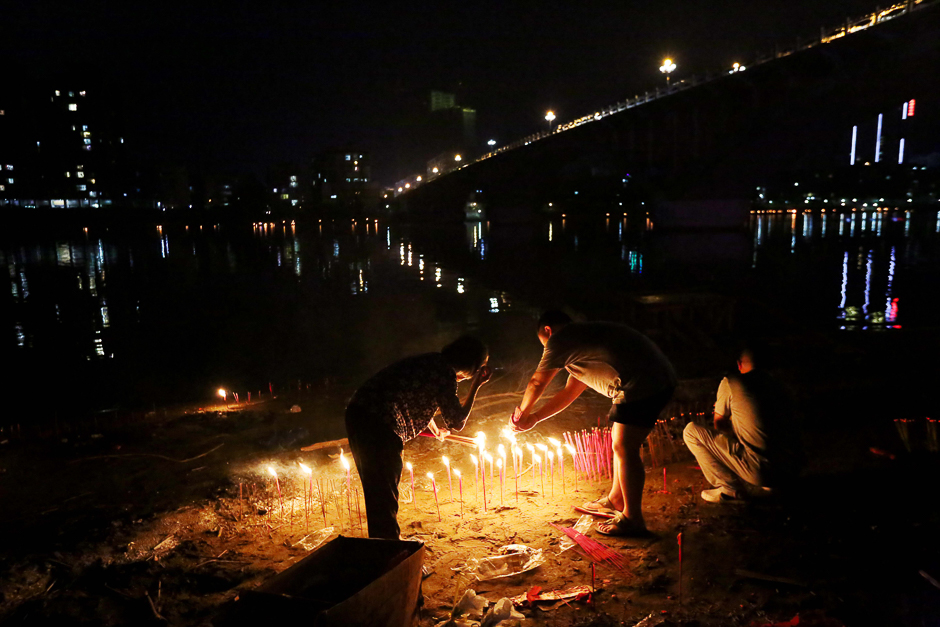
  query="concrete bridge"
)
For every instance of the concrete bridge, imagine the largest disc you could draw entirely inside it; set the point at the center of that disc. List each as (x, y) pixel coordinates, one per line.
(711, 141)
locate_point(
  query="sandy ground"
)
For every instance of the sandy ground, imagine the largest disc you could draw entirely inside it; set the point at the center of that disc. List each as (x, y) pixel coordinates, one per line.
(140, 521)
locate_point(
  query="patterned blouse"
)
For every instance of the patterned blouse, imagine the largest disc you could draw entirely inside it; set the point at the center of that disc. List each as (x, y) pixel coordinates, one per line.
(405, 396)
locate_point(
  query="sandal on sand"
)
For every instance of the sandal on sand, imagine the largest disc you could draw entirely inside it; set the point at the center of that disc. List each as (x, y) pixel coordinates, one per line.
(621, 526)
(601, 507)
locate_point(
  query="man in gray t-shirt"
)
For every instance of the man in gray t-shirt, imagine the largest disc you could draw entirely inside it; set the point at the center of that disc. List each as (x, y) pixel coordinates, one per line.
(623, 365)
(755, 440)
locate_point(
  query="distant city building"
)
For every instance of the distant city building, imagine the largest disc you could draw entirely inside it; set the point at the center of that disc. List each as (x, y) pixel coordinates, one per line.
(342, 179)
(291, 186)
(441, 100)
(63, 149)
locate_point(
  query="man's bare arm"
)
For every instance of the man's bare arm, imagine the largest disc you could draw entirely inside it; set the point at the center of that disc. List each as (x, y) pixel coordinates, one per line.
(535, 388)
(559, 401)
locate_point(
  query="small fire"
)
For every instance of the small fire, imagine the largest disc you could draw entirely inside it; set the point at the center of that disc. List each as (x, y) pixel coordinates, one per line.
(555, 443)
(222, 392)
(343, 460)
(446, 460)
(272, 472)
(457, 472)
(476, 462)
(408, 465)
(569, 448)
(305, 468)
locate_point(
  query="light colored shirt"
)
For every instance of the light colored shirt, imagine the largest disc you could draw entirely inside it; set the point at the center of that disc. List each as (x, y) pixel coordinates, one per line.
(612, 359)
(761, 416)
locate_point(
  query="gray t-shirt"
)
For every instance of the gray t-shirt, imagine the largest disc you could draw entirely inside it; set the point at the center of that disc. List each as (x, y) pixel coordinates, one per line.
(612, 359)
(761, 415)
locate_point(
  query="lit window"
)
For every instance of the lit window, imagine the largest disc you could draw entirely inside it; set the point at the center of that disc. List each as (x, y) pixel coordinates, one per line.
(2, 187)
(9, 167)
(10, 181)
(79, 167)
(93, 194)
(2, 112)
(80, 175)
(348, 157)
(87, 147)
(81, 188)
(293, 183)
(73, 107)
(58, 93)
(285, 196)
(81, 93)
(85, 133)
(68, 174)
(87, 141)
(71, 94)
(293, 178)
(84, 127)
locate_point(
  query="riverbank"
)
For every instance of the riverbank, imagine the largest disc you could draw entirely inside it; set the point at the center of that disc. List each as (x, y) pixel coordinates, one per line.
(168, 519)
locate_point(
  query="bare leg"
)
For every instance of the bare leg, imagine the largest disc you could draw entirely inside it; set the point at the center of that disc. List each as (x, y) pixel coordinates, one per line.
(618, 486)
(629, 473)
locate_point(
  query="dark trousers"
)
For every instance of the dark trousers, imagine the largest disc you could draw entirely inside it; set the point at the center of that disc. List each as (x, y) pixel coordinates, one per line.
(376, 449)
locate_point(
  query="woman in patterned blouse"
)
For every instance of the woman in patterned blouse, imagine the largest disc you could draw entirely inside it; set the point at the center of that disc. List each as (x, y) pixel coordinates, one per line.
(397, 404)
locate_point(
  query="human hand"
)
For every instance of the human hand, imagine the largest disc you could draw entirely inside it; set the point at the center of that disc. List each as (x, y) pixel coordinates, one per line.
(519, 423)
(442, 434)
(483, 374)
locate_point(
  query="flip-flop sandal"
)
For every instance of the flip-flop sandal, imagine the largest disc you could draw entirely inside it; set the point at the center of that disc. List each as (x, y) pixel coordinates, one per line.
(620, 526)
(598, 507)
(600, 513)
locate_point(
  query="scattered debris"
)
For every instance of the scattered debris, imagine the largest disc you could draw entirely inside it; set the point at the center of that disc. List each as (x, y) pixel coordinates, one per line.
(535, 595)
(514, 559)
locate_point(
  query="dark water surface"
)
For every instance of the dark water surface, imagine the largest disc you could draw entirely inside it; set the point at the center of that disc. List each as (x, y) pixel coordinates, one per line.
(105, 317)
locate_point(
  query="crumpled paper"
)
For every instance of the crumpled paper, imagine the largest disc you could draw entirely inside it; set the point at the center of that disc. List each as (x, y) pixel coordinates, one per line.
(512, 560)
(471, 605)
(502, 611)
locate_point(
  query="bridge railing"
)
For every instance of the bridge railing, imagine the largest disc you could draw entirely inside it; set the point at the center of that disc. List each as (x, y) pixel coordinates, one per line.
(850, 26)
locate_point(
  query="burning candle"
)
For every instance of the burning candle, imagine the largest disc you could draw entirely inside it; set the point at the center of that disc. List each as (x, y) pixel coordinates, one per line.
(538, 460)
(476, 473)
(489, 458)
(515, 469)
(434, 487)
(551, 471)
(460, 486)
(345, 462)
(412, 471)
(450, 481)
(574, 463)
(308, 492)
(278, 484)
(499, 464)
(532, 454)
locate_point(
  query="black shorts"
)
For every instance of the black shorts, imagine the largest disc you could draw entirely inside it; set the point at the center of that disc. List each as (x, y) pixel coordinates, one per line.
(642, 413)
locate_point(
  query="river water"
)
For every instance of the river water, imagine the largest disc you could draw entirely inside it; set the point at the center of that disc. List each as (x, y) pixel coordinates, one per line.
(98, 317)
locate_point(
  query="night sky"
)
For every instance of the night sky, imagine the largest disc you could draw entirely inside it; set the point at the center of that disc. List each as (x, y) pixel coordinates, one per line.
(242, 85)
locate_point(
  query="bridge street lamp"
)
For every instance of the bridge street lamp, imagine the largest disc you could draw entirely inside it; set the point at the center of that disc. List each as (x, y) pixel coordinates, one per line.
(667, 68)
(550, 116)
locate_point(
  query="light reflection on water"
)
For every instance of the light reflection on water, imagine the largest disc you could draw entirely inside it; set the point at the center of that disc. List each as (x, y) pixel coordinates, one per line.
(224, 297)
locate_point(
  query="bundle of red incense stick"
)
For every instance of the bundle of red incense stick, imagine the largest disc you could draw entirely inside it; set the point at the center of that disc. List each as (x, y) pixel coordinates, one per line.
(594, 550)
